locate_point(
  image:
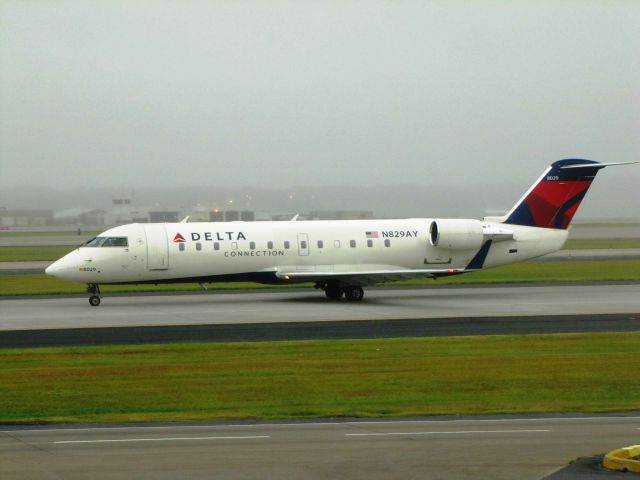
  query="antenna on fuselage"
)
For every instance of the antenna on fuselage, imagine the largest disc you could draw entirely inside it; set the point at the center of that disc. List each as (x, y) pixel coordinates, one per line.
(185, 219)
(295, 217)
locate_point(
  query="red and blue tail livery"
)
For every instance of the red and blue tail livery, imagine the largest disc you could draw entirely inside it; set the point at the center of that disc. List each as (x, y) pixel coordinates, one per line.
(554, 199)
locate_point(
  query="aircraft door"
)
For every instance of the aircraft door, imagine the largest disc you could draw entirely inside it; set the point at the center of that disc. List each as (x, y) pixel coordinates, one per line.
(303, 244)
(157, 247)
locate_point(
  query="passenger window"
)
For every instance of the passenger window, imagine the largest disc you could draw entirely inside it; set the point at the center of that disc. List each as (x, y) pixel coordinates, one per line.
(369, 243)
(198, 246)
(387, 242)
(352, 243)
(336, 244)
(181, 247)
(216, 245)
(234, 245)
(303, 244)
(252, 245)
(286, 244)
(270, 245)
(320, 243)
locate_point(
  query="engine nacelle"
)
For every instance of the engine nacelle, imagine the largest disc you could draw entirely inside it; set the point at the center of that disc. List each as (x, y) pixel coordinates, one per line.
(456, 234)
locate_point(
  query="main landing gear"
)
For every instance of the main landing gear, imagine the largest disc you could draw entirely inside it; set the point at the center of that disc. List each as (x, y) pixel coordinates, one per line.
(94, 290)
(334, 291)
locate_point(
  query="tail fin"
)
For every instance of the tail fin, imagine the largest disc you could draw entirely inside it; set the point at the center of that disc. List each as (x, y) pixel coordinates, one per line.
(554, 199)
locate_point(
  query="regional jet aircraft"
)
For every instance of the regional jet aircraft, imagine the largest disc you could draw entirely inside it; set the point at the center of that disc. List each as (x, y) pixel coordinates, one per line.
(339, 257)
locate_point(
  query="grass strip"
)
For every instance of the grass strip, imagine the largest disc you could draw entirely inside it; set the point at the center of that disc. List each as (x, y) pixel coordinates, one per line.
(354, 378)
(33, 254)
(604, 243)
(58, 233)
(574, 271)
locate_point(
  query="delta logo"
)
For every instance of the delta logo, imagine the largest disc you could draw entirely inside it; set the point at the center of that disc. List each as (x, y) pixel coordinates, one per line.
(178, 238)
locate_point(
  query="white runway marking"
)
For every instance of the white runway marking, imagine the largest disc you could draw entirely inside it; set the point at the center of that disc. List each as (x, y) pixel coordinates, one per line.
(166, 439)
(460, 432)
(313, 424)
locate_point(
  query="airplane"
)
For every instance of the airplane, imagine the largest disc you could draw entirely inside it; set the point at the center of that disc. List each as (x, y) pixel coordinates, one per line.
(338, 256)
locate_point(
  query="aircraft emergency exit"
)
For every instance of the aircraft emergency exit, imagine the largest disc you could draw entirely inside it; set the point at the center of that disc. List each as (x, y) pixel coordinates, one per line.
(340, 257)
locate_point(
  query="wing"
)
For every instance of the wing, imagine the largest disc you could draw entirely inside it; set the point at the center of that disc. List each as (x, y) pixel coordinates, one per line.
(367, 277)
(362, 276)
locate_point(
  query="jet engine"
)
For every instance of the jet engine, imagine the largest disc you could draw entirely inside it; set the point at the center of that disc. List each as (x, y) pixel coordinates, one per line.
(456, 234)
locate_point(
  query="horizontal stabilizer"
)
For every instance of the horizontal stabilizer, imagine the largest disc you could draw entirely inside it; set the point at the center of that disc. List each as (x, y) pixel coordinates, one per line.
(597, 165)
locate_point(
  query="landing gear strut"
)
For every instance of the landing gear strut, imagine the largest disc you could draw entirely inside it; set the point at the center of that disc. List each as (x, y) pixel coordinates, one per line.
(94, 290)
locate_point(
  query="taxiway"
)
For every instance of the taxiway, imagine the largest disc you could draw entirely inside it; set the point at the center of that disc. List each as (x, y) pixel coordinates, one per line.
(435, 448)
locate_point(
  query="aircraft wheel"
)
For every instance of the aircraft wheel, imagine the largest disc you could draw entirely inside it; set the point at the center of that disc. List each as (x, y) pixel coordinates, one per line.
(354, 293)
(334, 291)
(94, 300)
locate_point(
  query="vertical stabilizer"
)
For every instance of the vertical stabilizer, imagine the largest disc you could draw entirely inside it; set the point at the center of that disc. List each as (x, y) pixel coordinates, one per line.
(554, 199)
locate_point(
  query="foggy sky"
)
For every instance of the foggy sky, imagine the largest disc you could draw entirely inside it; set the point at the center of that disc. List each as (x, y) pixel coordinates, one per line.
(131, 94)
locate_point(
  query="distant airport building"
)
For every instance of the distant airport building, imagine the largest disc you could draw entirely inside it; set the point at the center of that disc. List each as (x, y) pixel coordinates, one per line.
(80, 216)
(25, 218)
(247, 216)
(123, 212)
(164, 216)
(216, 216)
(231, 216)
(340, 215)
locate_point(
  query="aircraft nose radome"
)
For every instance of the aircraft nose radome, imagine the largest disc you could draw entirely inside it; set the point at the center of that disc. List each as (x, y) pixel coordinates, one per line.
(52, 269)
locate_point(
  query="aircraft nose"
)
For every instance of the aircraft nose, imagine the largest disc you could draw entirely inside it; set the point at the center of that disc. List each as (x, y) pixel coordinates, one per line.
(63, 267)
(54, 268)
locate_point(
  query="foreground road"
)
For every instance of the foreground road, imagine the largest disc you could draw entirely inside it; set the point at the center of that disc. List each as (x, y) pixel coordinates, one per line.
(496, 448)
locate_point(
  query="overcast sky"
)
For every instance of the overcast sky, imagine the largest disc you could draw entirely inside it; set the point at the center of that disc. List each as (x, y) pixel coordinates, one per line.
(288, 94)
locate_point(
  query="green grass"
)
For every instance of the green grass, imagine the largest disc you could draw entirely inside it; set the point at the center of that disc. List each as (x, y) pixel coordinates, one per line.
(390, 377)
(602, 243)
(32, 254)
(64, 233)
(41, 284)
(560, 271)
(574, 271)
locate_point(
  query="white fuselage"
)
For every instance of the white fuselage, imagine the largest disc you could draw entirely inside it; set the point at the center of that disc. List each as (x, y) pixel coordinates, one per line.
(203, 252)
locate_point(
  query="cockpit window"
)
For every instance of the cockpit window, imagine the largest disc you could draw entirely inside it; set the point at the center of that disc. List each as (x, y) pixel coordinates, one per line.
(107, 242)
(93, 242)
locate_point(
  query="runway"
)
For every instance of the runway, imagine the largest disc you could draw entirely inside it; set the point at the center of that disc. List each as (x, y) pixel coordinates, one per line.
(306, 305)
(307, 315)
(434, 448)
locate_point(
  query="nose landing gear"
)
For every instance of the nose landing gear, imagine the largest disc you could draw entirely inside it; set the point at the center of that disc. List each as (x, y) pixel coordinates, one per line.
(94, 290)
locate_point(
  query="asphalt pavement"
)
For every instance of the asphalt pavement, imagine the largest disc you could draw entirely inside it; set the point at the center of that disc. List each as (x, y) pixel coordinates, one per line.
(434, 448)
